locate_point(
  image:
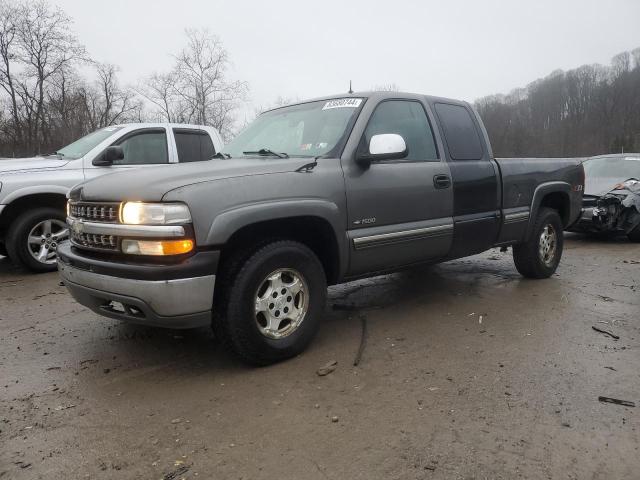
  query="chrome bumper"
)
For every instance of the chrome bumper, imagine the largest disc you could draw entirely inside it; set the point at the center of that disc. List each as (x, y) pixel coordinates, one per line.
(179, 303)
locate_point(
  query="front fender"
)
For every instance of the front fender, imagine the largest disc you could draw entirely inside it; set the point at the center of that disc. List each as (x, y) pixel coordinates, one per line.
(25, 191)
(230, 221)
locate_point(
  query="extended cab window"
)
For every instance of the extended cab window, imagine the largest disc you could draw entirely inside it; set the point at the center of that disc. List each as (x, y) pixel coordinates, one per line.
(460, 132)
(407, 119)
(144, 147)
(193, 145)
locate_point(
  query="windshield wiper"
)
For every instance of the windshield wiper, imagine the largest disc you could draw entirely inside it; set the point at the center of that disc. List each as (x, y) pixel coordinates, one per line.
(54, 153)
(221, 155)
(266, 151)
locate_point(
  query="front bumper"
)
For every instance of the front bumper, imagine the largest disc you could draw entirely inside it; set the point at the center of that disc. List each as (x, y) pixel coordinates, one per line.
(171, 303)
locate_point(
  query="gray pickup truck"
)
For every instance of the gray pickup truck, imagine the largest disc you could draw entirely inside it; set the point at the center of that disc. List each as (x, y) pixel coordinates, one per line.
(310, 195)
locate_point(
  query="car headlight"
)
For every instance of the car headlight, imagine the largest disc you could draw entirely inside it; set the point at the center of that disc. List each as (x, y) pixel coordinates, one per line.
(139, 213)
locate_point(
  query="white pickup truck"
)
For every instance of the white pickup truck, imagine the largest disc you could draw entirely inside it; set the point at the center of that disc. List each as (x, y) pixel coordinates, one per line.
(33, 190)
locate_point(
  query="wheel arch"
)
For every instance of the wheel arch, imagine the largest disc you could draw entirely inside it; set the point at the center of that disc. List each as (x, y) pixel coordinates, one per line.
(29, 198)
(315, 231)
(555, 195)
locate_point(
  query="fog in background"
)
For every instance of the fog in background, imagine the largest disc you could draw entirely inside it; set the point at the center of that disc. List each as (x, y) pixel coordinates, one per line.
(461, 49)
(549, 78)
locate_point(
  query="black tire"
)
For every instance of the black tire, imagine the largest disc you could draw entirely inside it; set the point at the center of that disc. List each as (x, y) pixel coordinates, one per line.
(234, 317)
(527, 257)
(3, 250)
(18, 234)
(634, 235)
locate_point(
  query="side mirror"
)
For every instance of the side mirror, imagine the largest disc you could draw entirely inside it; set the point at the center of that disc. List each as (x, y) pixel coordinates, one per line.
(109, 156)
(386, 146)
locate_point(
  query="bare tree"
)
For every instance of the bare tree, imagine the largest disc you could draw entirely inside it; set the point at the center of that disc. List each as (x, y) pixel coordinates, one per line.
(46, 46)
(160, 90)
(106, 103)
(197, 89)
(590, 110)
(201, 81)
(9, 17)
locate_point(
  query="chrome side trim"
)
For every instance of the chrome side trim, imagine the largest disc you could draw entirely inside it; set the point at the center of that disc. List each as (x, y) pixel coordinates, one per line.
(121, 230)
(183, 296)
(516, 217)
(402, 236)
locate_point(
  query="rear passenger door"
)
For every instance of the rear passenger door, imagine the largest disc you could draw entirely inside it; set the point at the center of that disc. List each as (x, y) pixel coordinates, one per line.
(475, 177)
(193, 145)
(399, 211)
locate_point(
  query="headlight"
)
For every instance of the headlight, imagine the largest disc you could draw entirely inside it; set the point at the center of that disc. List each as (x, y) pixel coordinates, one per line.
(138, 213)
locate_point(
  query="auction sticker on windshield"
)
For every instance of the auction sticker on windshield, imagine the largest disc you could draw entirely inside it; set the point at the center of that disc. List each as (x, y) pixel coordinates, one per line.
(342, 103)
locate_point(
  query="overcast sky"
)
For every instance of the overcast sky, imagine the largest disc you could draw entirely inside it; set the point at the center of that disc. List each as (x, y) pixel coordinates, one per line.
(457, 48)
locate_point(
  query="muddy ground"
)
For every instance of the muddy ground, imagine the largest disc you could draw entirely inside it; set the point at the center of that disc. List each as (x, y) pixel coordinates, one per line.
(438, 393)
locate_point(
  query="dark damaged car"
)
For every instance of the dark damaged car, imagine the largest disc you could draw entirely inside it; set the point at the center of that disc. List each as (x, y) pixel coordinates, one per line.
(611, 202)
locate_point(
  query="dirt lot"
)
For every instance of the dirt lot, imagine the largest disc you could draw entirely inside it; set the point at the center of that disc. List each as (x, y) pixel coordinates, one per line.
(438, 393)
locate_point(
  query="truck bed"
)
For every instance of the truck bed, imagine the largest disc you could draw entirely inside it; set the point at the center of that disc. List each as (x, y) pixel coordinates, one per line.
(521, 177)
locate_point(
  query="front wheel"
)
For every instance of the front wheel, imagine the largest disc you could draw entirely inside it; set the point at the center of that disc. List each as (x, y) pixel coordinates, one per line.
(271, 302)
(539, 256)
(33, 237)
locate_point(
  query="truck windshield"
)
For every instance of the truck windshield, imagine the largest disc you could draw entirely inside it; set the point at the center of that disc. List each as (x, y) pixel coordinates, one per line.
(82, 146)
(305, 130)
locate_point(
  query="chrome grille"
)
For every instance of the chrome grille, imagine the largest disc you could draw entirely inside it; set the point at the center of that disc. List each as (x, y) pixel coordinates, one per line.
(94, 211)
(98, 242)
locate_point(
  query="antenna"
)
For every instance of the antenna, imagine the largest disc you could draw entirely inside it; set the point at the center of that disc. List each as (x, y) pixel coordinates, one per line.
(350, 89)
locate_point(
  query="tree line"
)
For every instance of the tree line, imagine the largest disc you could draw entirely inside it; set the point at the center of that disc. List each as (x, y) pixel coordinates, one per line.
(52, 92)
(591, 110)
(47, 99)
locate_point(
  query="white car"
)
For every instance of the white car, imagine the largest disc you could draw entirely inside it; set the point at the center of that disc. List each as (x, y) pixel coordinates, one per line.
(33, 190)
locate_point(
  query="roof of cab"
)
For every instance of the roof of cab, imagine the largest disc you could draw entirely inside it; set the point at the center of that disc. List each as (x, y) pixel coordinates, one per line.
(376, 95)
(160, 124)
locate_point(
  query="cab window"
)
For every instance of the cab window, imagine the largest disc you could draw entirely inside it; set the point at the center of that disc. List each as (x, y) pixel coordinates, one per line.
(193, 145)
(460, 132)
(407, 119)
(144, 147)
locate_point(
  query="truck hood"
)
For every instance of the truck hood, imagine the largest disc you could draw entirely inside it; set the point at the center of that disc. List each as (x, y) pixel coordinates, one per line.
(152, 183)
(599, 186)
(14, 165)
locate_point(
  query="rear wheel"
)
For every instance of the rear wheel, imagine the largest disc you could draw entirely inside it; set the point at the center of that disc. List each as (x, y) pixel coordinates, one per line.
(271, 302)
(539, 256)
(33, 237)
(634, 235)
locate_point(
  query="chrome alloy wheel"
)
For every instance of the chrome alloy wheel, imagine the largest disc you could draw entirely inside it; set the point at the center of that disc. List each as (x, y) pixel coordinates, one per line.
(547, 245)
(44, 238)
(281, 303)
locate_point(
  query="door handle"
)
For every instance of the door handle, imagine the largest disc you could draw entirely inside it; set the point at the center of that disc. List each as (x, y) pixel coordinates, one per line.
(441, 181)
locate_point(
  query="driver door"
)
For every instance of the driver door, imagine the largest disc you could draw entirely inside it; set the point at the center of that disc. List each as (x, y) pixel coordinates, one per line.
(145, 147)
(399, 211)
